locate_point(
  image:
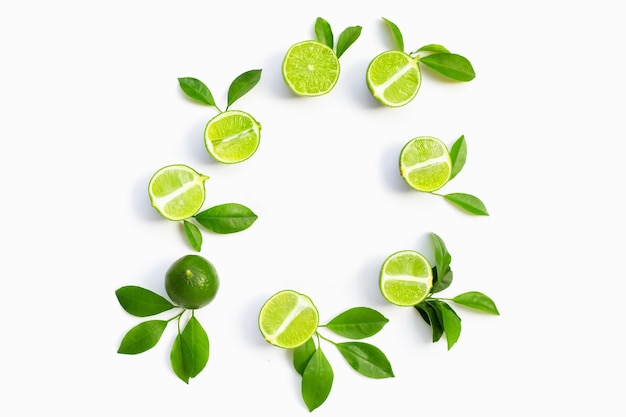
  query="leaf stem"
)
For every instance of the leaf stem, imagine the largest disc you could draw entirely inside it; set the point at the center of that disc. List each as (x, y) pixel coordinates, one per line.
(320, 336)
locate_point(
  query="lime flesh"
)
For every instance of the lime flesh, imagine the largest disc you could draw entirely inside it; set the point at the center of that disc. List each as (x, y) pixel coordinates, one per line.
(393, 78)
(232, 136)
(177, 191)
(425, 163)
(288, 319)
(310, 68)
(405, 278)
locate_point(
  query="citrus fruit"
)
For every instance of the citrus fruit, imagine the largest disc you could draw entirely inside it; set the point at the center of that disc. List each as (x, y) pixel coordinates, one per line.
(406, 278)
(393, 78)
(288, 319)
(232, 136)
(191, 282)
(425, 163)
(310, 68)
(177, 191)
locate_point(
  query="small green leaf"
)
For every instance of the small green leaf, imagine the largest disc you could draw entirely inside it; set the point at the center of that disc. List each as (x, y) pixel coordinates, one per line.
(347, 38)
(324, 33)
(357, 323)
(226, 218)
(433, 47)
(141, 302)
(302, 355)
(477, 301)
(180, 359)
(366, 359)
(398, 40)
(317, 380)
(196, 338)
(458, 154)
(242, 84)
(440, 284)
(197, 90)
(453, 66)
(430, 316)
(442, 256)
(142, 337)
(194, 236)
(468, 202)
(451, 324)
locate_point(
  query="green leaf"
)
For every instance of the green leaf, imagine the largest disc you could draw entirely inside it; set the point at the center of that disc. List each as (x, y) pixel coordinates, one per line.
(324, 33)
(194, 236)
(398, 40)
(477, 301)
(366, 359)
(317, 380)
(190, 351)
(433, 47)
(196, 89)
(302, 355)
(180, 358)
(458, 154)
(141, 302)
(468, 202)
(453, 66)
(226, 218)
(357, 323)
(142, 337)
(242, 84)
(439, 283)
(347, 38)
(430, 316)
(196, 338)
(442, 257)
(451, 324)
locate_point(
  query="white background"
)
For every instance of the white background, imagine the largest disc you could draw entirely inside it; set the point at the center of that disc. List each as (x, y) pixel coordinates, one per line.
(91, 107)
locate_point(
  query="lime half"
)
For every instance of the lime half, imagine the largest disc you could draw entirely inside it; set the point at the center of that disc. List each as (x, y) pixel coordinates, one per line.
(310, 68)
(288, 319)
(177, 191)
(232, 136)
(393, 78)
(425, 163)
(406, 278)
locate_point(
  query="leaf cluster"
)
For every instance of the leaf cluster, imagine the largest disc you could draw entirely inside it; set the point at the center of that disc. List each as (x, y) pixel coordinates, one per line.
(222, 219)
(436, 57)
(198, 91)
(190, 350)
(324, 35)
(467, 202)
(310, 361)
(437, 312)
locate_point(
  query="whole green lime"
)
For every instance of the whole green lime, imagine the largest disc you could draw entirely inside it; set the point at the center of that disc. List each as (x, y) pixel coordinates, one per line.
(191, 282)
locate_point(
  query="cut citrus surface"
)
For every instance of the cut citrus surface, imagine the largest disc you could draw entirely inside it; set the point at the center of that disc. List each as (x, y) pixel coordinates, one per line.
(425, 163)
(191, 281)
(288, 319)
(232, 136)
(394, 78)
(177, 191)
(310, 68)
(406, 278)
